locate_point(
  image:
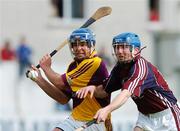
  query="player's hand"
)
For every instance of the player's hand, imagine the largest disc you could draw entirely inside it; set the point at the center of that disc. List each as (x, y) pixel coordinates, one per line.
(38, 77)
(45, 62)
(82, 93)
(102, 114)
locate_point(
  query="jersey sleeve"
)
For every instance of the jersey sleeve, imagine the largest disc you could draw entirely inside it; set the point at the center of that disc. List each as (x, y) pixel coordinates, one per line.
(139, 73)
(63, 76)
(100, 75)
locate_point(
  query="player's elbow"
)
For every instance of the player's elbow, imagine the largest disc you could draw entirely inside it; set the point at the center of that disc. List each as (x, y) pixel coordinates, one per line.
(59, 84)
(100, 94)
(63, 101)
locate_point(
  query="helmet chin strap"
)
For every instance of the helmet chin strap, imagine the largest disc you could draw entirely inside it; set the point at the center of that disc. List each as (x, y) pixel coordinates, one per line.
(92, 47)
(134, 55)
(132, 51)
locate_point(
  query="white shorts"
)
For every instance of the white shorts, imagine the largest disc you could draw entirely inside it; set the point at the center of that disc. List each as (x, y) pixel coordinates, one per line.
(70, 124)
(161, 121)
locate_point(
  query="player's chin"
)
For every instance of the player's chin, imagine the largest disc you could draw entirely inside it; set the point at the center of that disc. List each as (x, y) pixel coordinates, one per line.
(80, 57)
(124, 61)
(120, 59)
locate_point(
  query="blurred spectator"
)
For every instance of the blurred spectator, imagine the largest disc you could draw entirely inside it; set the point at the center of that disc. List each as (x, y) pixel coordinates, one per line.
(154, 10)
(102, 54)
(58, 7)
(154, 15)
(24, 56)
(7, 53)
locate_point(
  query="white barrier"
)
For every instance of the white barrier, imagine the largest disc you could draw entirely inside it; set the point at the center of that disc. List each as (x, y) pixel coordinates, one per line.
(8, 75)
(25, 107)
(48, 123)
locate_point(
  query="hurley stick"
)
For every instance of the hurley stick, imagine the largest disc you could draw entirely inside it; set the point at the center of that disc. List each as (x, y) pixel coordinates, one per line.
(101, 12)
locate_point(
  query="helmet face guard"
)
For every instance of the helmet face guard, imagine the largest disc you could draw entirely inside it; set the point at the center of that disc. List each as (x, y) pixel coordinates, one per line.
(126, 53)
(123, 45)
(82, 36)
(129, 38)
(125, 41)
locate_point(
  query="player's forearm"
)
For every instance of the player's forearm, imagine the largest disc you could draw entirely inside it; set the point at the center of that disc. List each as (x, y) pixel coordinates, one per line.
(54, 78)
(119, 100)
(52, 91)
(100, 92)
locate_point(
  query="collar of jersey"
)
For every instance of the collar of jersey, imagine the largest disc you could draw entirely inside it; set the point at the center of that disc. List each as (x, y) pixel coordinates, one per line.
(93, 54)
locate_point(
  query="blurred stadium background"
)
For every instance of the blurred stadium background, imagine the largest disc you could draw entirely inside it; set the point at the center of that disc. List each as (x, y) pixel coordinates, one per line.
(46, 23)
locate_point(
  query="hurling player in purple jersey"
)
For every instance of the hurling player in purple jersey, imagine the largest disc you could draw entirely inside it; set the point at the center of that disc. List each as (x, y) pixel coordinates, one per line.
(86, 69)
(139, 79)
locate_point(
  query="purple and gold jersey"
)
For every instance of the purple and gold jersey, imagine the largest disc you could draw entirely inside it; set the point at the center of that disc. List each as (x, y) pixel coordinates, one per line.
(90, 71)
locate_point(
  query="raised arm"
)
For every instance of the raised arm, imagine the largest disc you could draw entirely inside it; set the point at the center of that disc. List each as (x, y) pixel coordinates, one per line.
(50, 89)
(52, 76)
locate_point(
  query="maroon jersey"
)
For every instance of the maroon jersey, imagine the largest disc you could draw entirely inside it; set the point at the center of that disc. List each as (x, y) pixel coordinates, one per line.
(149, 90)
